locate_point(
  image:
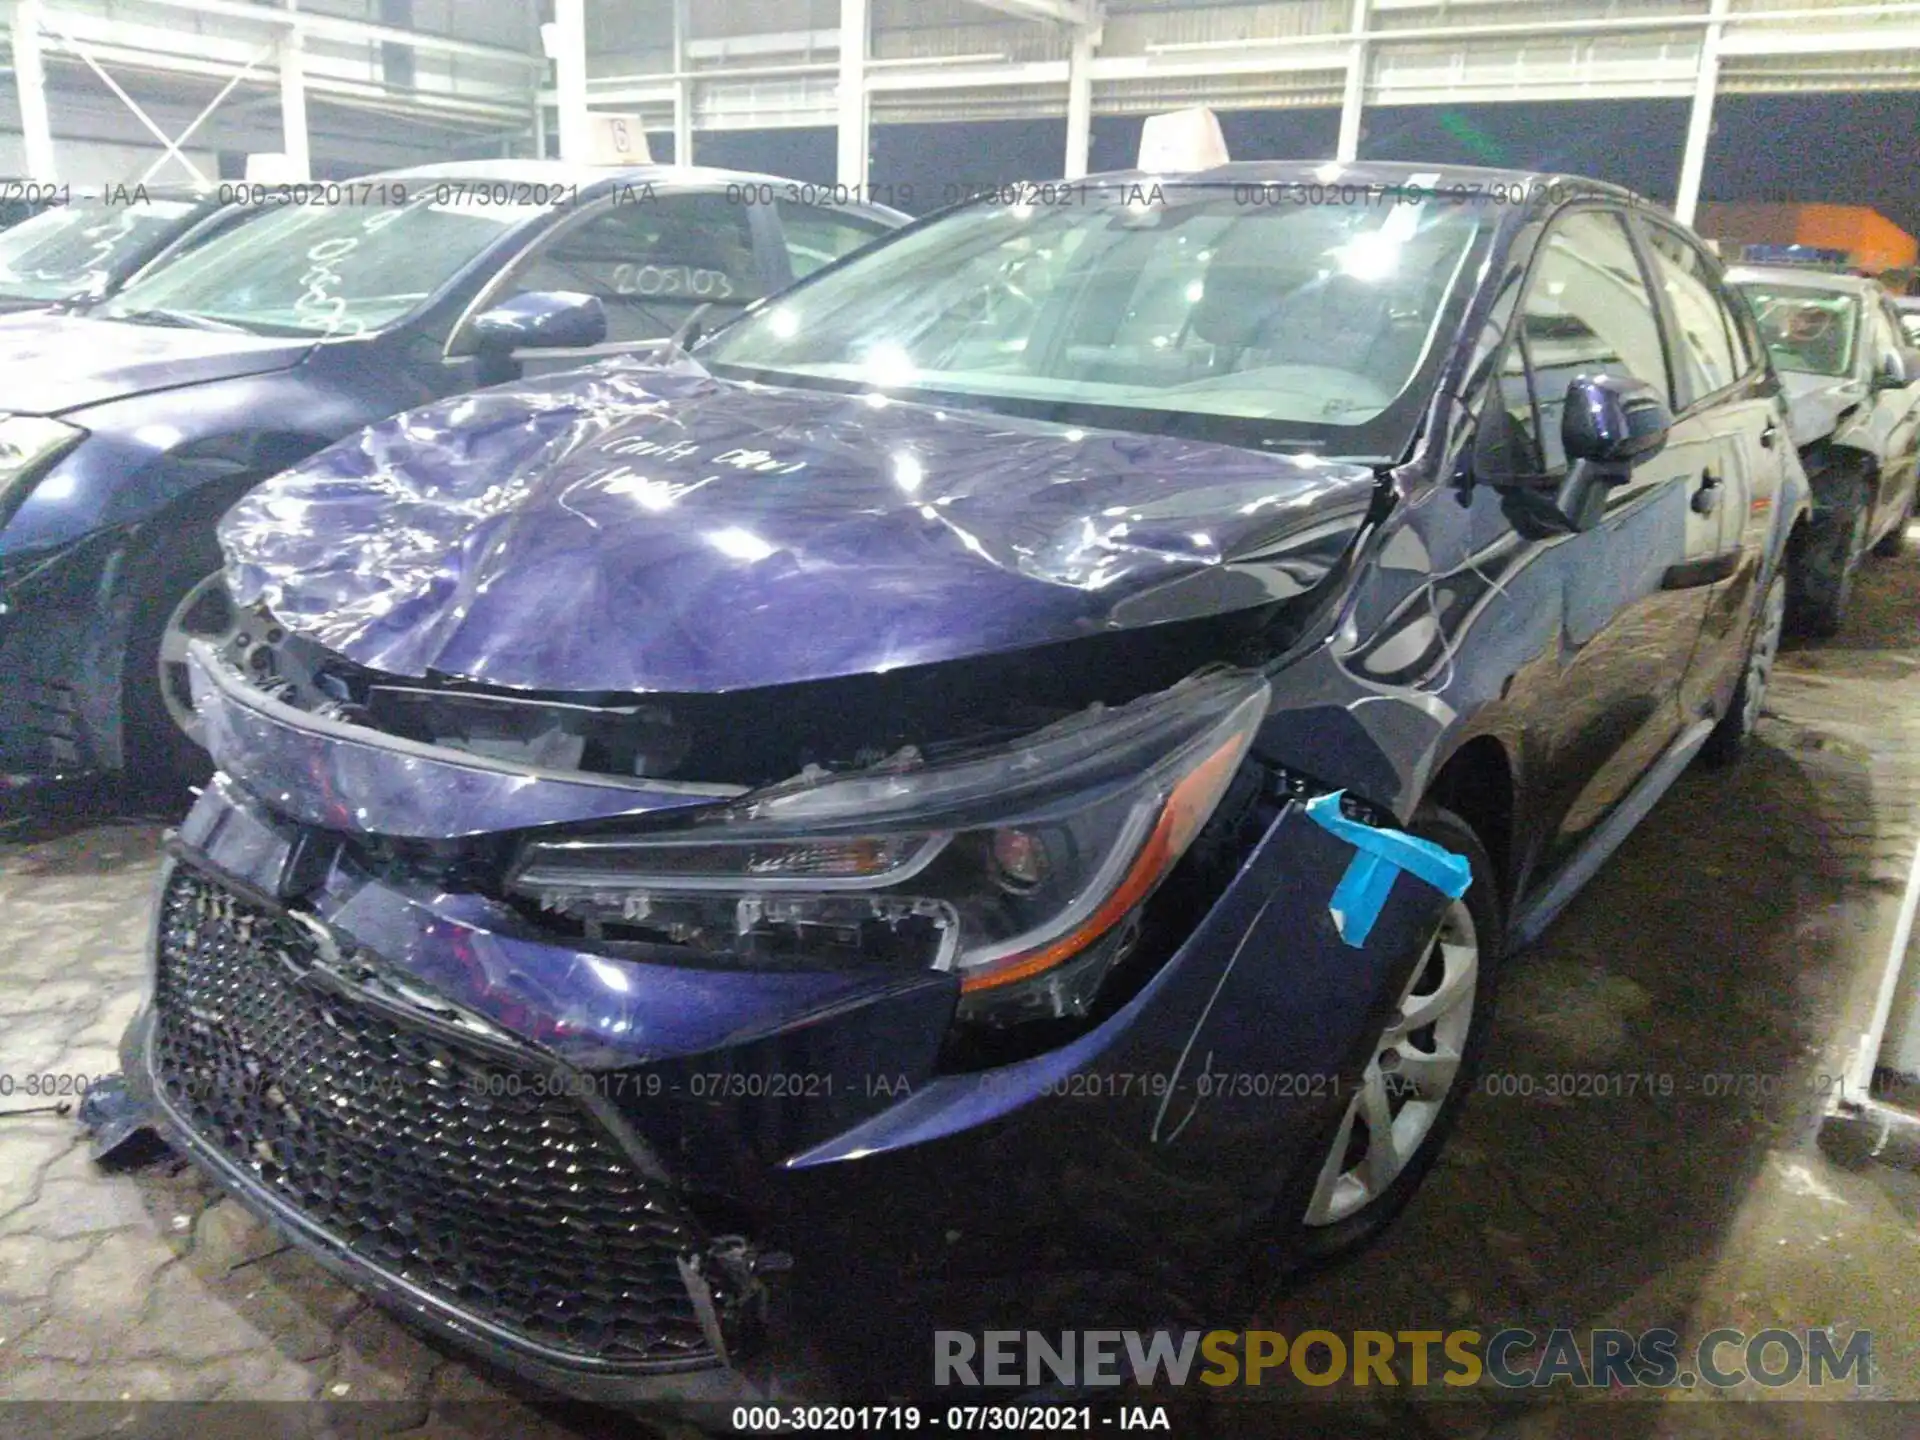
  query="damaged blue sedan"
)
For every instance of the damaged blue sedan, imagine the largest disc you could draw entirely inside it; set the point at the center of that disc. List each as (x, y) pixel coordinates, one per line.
(998, 783)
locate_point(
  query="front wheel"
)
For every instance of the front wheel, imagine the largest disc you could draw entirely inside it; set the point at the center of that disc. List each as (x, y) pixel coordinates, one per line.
(177, 597)
(1418, 1072)
(1830, 560)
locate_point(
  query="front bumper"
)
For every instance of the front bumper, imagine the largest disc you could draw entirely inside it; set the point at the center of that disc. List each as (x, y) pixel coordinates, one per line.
(696, 1391)
(884, 1193)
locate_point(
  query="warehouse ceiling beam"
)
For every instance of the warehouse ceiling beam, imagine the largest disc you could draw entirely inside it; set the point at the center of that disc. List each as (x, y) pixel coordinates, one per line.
(30, 83)
(1086, 39)
(1693, 160)
(172, 143)
(565, 41)
(1080, 14)
(336, 27)
(852, 111)
(682, 87)
(1353, 98)
(293, 105)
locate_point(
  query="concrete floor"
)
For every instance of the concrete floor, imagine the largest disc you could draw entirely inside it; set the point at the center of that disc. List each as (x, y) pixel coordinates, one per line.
(1739, 933)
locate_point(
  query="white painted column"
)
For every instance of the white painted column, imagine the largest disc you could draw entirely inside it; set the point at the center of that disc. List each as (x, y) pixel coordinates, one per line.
(293, 105)
(569, 51)
(682, 89)
(30, 82)
(1354, 99)
(1693, 164)
(1080, 97)
(851, 99)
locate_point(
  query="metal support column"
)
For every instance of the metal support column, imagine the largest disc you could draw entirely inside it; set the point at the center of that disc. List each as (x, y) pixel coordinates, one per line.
(569, 51)
(1693, 165)
(682, 89)
(30, 81)
(1354, 99)
(1086, 38)
(293, 104)
(851, 98)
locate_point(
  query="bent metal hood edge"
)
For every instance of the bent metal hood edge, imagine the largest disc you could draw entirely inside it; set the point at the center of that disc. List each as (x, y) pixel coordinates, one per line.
(635, 527)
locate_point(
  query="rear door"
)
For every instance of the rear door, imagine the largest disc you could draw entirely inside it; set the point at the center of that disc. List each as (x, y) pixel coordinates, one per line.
(1722, 396)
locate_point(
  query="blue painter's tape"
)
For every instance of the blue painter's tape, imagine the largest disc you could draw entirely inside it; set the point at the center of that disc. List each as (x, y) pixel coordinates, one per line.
(1380, 857)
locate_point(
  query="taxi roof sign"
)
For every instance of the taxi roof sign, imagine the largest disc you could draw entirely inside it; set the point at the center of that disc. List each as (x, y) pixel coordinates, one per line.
(1182, 140)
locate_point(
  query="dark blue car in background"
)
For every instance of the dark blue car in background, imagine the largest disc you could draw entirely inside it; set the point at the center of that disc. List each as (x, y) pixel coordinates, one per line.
(127, 430)
(87, 249)
(709, 826)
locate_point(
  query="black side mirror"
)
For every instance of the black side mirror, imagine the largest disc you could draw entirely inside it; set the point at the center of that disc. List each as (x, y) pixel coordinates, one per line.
(541, 320)
(1613, 420)
(1608, 423)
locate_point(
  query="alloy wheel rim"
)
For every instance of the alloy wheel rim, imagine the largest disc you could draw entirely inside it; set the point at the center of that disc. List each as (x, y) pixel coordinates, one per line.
(1766, 649)
(206, 612)
(1405, 1085)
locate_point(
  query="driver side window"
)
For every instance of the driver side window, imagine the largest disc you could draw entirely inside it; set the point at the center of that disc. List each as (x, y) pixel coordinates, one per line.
(1587, 312)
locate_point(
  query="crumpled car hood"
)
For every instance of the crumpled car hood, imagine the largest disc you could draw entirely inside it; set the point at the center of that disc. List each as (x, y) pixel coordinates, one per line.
(1815, 403)
(52, 364)
(636, 527)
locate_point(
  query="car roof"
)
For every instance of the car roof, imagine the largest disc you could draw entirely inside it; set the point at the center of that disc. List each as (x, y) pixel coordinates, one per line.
(592, 180)
(1805, 279)
(562, 172)
(1428, 175)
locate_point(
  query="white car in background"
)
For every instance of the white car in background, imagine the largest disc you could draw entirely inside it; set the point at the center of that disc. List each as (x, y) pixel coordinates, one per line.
(1908, 308)
(1852, 377)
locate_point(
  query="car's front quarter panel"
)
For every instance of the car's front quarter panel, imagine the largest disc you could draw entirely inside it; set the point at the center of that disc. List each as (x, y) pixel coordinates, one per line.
(154, 471)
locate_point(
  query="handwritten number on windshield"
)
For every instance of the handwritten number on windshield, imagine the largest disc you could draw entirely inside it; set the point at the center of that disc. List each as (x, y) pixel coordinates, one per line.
(322, 300)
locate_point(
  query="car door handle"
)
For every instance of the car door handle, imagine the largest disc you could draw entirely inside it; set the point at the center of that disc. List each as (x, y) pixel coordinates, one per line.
(1706, 499)
(1770, 434)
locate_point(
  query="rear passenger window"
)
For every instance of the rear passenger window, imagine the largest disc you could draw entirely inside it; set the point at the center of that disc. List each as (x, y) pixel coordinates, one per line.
(817, 237)
(1705, 343)
(1588, 312)
(652, 262)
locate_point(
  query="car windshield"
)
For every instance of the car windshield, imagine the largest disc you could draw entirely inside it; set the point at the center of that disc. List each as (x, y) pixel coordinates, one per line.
(1807, 330)
(1183, 309)
(78, 248)
(329, 270)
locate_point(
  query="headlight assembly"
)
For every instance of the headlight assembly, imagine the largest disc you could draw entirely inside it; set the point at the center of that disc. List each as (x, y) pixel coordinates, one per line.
(1021, 870)
(28, 444)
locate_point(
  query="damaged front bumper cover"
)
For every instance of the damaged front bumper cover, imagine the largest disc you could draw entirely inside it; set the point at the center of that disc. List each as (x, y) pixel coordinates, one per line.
(817, 1108)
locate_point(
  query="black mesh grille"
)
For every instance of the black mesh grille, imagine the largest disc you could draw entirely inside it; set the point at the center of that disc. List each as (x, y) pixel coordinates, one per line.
(434, 1162)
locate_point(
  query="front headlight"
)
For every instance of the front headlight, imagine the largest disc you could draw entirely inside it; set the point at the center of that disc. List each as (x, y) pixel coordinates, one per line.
(1025, 867)
(28, 444)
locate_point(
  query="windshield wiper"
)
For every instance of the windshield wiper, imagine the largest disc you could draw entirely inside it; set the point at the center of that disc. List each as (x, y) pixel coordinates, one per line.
(181, 319)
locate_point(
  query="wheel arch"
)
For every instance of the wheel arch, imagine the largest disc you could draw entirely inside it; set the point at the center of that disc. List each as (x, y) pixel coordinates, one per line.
(1478, 782)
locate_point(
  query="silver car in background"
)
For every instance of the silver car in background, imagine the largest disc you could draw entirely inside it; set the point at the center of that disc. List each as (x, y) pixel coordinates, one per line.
(1852, 377)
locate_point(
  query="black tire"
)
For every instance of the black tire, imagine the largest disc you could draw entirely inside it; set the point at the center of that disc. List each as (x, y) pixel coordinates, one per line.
(1731, 736)
(160, 761)
(1830, 559)
(1300, 1246)
(1894, 542)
